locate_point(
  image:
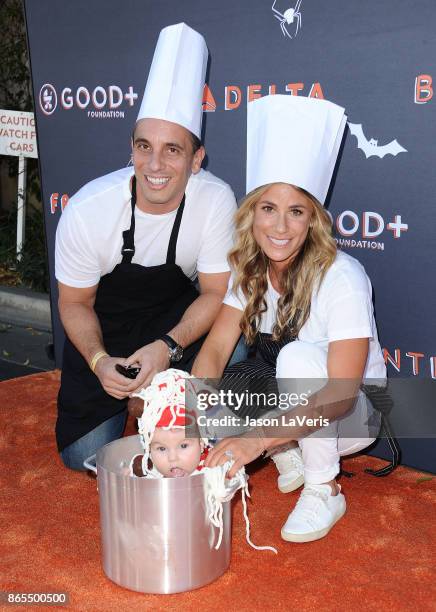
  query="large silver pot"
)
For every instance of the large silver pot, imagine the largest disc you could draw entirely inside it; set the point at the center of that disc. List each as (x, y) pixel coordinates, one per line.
(156, 537)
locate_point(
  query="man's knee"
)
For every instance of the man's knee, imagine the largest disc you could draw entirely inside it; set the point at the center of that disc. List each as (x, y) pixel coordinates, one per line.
(76, 453)
(240, 353)
(73, 458)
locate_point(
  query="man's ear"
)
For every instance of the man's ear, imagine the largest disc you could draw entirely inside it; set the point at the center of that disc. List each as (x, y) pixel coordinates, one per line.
(197, 160)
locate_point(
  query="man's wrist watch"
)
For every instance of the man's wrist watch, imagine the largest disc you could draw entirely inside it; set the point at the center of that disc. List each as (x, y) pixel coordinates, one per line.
(175, 351)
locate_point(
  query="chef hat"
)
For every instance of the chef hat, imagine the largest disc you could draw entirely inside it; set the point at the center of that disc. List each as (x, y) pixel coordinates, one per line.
(293, 140)
(174, 90)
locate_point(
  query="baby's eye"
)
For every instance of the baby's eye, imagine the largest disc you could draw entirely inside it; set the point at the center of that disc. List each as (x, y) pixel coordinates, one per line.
(161, 449)
(184, 445)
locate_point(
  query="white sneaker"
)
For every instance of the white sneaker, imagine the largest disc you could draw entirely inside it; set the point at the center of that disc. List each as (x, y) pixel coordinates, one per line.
(290, 466)
(316, 512)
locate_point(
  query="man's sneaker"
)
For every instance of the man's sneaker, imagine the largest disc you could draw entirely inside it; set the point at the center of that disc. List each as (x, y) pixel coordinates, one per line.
(316, 512)
(290, 466)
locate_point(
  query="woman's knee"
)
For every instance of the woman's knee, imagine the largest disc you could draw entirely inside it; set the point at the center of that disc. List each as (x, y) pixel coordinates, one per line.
(301, 360)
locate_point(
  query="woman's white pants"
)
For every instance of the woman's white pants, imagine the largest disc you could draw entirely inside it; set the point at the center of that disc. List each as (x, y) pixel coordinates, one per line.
(301, 360)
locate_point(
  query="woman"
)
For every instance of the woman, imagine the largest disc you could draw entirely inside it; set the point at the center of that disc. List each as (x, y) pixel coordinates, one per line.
(290, 281)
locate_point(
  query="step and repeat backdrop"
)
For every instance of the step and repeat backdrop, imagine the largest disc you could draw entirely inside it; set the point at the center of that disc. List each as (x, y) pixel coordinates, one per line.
(90, 63)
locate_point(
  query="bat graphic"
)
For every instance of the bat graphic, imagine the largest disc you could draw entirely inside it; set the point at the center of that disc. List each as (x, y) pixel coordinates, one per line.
(371, 147)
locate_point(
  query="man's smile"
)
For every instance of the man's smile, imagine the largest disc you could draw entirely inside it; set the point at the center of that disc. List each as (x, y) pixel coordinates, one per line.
(157, 182)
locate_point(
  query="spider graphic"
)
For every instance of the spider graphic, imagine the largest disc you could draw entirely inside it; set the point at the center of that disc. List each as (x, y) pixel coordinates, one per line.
(288, 17)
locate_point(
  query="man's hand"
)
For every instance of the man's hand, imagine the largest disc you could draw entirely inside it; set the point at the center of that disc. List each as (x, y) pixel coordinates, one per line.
(241, 450)
(113, 383)
(151, 358)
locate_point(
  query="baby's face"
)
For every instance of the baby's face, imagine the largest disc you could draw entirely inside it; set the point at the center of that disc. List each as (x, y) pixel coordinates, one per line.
(174, 455)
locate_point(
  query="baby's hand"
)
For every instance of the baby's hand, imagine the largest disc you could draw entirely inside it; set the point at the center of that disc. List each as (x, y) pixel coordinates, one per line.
(137, 466)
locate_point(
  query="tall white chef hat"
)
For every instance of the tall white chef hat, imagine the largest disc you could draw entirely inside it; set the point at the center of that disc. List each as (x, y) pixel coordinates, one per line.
(174, 90)
(293, 140)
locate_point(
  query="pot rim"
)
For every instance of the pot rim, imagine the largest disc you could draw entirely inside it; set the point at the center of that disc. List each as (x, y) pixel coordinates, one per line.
(165, 484)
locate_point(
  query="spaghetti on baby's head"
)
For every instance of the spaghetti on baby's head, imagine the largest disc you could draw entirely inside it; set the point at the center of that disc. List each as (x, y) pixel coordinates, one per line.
(169, 434)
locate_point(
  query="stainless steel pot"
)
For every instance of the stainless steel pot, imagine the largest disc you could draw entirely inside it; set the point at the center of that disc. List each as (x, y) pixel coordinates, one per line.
(156, 536)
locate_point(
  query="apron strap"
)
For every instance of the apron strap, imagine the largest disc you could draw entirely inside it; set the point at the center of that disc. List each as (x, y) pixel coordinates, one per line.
(128, 248)
(171, 253)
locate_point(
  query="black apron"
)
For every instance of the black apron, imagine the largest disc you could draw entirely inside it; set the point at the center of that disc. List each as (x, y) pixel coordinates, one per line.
(257, 374)
(135, 305)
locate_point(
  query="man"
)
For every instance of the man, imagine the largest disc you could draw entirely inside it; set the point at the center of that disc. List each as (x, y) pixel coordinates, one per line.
(128, 248)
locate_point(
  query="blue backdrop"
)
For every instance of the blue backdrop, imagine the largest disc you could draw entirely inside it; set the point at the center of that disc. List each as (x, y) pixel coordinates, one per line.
(89, 65)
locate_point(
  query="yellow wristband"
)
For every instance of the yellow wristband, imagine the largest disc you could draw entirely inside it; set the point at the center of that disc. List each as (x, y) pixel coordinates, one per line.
(96, 358)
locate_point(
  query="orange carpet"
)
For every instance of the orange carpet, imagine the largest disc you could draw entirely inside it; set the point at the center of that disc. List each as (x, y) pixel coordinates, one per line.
(381, 556)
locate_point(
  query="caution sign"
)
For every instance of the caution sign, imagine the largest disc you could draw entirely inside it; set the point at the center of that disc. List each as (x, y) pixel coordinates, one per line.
(17, 133)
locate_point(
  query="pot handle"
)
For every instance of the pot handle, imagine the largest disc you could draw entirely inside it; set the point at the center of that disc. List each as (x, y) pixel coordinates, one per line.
(91, 466)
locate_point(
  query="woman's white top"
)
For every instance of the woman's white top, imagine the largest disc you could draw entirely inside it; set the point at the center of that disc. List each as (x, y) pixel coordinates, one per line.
(341, 309)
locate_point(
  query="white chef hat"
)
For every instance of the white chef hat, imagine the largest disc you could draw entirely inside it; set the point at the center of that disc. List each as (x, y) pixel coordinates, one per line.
(293, 140)
(175, 84)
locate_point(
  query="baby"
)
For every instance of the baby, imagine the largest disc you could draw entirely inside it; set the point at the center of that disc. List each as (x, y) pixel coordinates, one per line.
(174, 455)
(172, 452)
(175, 446)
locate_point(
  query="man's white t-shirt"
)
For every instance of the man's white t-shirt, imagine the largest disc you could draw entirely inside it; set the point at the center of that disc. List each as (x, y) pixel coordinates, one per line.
(89, 233)
(341, 310)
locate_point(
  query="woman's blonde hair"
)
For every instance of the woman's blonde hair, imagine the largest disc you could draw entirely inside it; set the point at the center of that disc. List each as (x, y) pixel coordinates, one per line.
(250, 267)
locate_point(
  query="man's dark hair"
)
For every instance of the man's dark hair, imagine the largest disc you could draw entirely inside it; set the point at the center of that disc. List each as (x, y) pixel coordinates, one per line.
(196, 142)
